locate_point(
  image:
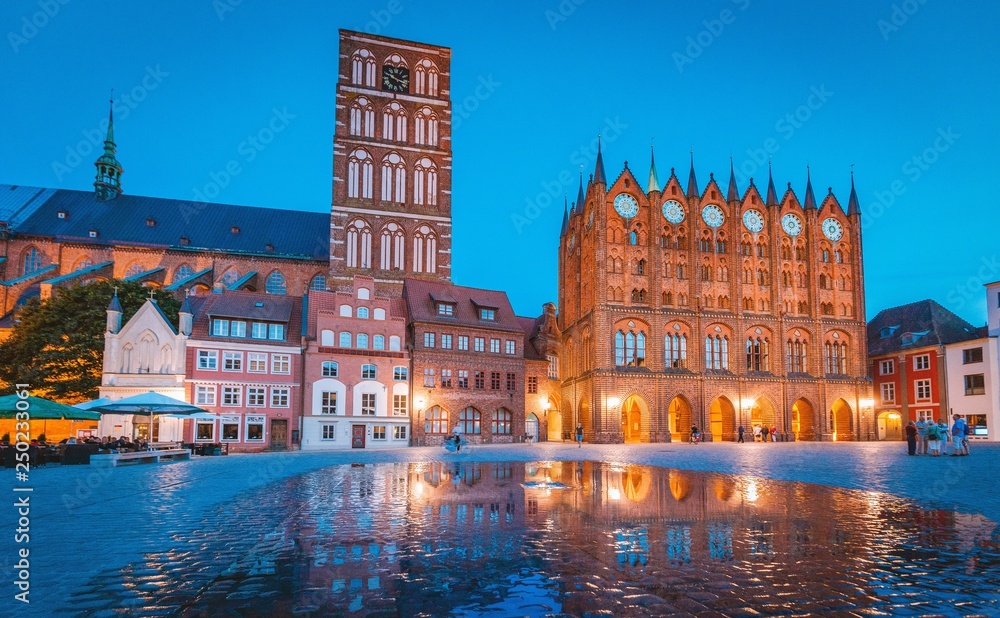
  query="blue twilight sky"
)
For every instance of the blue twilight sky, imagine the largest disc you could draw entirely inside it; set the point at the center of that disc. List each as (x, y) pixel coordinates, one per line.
(905, 90)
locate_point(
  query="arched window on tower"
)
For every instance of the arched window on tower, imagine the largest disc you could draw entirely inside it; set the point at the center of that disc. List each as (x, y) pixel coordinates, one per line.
(393, 179)
(426, 123)
(394, 121)
(359, 244)
(362, 118)
(426, 78)
(363, 68)
(425, 183)
(393, 246)
(359, 174)
(424, 250)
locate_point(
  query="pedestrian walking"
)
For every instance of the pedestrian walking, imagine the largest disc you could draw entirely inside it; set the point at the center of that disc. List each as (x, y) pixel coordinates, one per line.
(763, 433)
(740, 432)
(774, 433)
(911, 438)
(756, 433)
(579, 436)
(965, 440)
(922, 437)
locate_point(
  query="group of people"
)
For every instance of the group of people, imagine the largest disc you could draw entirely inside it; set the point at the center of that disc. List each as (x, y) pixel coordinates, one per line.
(930, 438)
(761, 433)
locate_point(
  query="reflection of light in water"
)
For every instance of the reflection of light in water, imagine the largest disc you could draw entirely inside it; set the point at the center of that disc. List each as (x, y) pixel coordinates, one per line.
(418, 489)
(614, 493)
(750, 491)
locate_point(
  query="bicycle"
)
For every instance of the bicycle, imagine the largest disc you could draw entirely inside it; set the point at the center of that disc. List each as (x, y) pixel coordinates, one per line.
(463, 446)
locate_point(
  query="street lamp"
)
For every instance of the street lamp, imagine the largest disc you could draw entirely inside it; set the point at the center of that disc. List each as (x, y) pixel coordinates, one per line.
(867, 405)
(420, 407)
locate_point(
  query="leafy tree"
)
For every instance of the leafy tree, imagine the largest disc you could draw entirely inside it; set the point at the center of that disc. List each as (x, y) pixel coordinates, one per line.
(58, 345)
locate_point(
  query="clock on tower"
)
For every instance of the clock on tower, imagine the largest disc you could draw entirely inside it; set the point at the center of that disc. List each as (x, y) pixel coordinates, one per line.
(395, 79)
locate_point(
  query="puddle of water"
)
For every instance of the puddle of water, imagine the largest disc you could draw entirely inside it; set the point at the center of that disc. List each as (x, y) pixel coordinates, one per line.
(502, 539)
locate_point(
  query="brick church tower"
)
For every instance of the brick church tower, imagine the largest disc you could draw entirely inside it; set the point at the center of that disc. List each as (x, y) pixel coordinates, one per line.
(684, 307)
(391, 211)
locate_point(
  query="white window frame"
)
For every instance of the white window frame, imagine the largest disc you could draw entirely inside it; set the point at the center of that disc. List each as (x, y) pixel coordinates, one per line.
(510, 347)
(920, 384)
(926, 358)
(399, 432)
(328, 431)
(326, 408)
(886, 367)
(235, 358)
(208, 360)
(889, 387)
(400, 404)
(220, 327)
(334, 369)
(204, 395)
(281, 360)
(257, 358)
(199, 423)
(235, 395)
(366, 375)
(277, 391)
(375, 433)
(258, 330)
(256, 396)
(400, 374)
(229, 419)
(370, 408)
(237, 328)
(254, 419)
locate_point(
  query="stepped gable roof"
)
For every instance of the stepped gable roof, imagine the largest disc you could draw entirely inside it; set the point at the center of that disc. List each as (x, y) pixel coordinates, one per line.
(916, 325)
(249, 306)
(420, 298)
(161, 222)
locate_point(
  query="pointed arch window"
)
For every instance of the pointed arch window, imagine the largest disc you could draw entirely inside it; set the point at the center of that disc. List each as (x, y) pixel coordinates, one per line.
(424, 250)
(630, 348)
(393, 247)
(470, 421)
(362, 118)
(229, 277)
(394, 121)
(275, 284)
(426, 76)
(127, 359)
(796, 353)
(757, 353)
(393, 179)
(425, 183)
(84, 262)
(675, 346)
(359, 174)
(363, 68)
(426, 127)
(183, 272)
(318, 283)
(716, 352)
(835, 357)
(359, 245)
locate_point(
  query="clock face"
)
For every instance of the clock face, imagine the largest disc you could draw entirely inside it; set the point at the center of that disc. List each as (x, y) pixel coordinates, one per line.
(753, 220)
(395, 79)
(791, 224)
(712, 215)
(626, 205)
(673, 211)
(832, 229)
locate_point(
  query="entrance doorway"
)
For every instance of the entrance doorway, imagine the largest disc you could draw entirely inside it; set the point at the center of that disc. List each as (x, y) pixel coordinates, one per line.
(531, 428)
(802, 420)
(357, 436)
(722, 419)
(632, 419)
(840, 420)
(279, 433)
(889, 426)
(678, 417)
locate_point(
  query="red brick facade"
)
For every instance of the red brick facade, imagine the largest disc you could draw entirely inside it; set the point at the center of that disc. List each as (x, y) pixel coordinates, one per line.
(669, 288)
(391, 214)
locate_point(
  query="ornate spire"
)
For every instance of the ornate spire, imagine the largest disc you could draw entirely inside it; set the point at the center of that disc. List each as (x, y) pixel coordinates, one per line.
(654, 184)
(565, 225)
(599, 171)
(810, 203)
(108, 184)
(580, 196)
(853, 207)
(772, 195)
(734, 193)
(692, 181)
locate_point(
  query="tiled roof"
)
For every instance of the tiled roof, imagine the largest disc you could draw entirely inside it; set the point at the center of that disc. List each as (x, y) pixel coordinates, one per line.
(243, 305)
(530, 327)
(933, 324)
(419, 297)
(291, 233)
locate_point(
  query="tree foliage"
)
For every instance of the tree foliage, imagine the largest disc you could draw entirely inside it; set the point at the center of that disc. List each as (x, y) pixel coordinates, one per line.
(58, 345)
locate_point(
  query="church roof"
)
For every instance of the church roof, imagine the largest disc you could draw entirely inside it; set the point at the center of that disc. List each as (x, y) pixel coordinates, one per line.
(163, 222)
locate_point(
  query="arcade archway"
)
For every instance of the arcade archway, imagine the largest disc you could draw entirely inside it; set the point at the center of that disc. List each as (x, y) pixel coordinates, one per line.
(889, 426)
(634, 413)
(840, 420)
(721, 419)
(802, 420)
(678, 418)
(762, 414)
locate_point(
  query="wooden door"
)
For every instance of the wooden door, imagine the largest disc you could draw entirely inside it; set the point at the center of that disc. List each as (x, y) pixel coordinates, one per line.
(279, 433)
(357, 436)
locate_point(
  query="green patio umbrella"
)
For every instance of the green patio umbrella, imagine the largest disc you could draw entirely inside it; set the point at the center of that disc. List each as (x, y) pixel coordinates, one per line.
(43, 409)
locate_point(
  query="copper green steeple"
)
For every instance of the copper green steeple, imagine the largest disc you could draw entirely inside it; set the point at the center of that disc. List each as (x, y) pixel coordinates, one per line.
(108, 184)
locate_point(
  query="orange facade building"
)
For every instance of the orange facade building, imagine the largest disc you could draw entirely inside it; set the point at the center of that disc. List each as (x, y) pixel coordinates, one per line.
(684, 307)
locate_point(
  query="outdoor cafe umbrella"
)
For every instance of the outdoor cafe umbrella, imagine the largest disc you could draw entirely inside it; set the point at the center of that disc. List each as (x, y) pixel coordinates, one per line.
(149, 404)
(39, 409)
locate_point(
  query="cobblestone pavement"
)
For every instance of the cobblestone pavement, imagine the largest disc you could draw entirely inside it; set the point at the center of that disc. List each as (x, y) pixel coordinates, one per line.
(88, 525)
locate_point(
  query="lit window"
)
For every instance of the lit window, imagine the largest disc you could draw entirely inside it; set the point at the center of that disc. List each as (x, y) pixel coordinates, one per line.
(281, 363)
(328, 403)
(367, 404)
(257, 362)
(399, 405)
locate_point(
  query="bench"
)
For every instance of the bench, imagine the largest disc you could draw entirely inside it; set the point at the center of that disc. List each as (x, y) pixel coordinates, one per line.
(111, 460)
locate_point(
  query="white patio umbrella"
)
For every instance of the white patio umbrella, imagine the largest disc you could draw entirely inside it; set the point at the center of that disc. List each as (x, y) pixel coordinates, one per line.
(149, 404)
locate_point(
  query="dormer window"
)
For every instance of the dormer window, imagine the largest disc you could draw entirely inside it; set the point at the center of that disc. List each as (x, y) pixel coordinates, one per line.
(268, 248)
(446, 309)
(62, 214)
(93, 233)
(185, 241)
(908, 338)
(150, 222)
(887, 332)
(488, 314)
(235, 229)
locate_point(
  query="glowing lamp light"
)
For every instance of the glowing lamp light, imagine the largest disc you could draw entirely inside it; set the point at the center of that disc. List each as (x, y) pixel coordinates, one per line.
(613, 401)
(746, 403)
(614, 493)
(420, 402)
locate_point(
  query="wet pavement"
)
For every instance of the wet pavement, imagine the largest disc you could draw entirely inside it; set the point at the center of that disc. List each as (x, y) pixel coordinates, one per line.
(466, 535)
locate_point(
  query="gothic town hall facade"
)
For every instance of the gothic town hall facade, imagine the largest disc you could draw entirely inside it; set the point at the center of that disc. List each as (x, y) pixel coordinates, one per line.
(686, 307)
